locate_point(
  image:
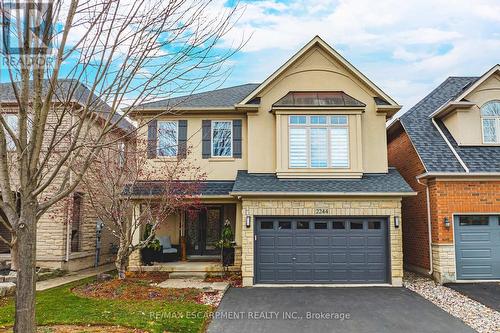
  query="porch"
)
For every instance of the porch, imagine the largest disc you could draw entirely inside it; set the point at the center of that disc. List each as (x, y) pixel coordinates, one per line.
(192, 240)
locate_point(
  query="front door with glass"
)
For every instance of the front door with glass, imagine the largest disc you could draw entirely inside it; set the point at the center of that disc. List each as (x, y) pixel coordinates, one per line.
(203, 231)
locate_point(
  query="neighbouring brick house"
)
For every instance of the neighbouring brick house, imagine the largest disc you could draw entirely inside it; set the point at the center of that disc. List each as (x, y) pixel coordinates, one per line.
(66, 234)
(297, 165)
(447, 147)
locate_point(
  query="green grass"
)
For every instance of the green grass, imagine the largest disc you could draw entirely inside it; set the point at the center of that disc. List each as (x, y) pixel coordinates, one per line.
(61, 306)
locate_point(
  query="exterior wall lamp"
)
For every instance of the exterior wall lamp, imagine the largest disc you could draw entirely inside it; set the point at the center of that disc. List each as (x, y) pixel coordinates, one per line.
(247, 221)
(396, 221)
(446, 222)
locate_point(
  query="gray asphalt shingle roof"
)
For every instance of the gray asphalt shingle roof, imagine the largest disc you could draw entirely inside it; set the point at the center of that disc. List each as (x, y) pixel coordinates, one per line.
(71, 90)
(209, 187)
(390, 182)
(225, 97)
(430, 145)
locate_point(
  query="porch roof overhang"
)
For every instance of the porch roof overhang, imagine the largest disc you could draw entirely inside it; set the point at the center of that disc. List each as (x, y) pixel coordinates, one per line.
(209, 189)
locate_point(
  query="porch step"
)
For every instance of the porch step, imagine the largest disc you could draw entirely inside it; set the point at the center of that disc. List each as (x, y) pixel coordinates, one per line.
(188, 275)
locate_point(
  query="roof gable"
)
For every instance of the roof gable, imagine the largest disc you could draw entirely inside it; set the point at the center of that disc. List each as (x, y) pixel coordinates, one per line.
(336, 60)
(495, 70)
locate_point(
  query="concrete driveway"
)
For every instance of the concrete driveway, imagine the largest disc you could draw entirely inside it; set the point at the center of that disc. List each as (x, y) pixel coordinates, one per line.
(487, 293)
(318, 310)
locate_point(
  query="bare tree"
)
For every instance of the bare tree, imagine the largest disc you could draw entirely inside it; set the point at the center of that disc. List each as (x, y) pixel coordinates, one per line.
(173, 186)
(124, 52)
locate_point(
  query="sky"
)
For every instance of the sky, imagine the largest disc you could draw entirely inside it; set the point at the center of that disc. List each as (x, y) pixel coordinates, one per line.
(406, 47)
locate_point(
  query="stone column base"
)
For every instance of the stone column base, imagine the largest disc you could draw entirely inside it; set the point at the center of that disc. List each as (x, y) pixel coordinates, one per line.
(443, 262)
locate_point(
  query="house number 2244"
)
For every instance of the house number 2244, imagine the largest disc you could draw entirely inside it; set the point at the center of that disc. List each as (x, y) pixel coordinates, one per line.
(322, 211)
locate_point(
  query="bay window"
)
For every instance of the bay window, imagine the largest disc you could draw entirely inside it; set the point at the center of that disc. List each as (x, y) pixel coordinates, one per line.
(318, 141)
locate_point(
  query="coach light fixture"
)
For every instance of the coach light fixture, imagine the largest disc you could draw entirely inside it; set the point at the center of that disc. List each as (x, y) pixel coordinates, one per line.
(247, 221)
(446, 222)
(396, 221)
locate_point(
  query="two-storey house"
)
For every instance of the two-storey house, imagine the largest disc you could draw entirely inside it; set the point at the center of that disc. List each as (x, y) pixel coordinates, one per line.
(447, 147)
(297, 164)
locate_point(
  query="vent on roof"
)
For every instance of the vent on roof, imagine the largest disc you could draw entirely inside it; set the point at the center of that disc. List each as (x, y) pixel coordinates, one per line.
(321, 99)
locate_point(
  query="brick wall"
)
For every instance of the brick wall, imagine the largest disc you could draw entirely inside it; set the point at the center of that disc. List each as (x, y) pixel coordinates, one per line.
(338, 207)
(403, 157)
(453, 197)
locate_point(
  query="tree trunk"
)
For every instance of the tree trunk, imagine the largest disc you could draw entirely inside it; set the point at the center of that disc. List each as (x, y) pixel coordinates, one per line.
(26, 277)
(122, 259)
(13, 253)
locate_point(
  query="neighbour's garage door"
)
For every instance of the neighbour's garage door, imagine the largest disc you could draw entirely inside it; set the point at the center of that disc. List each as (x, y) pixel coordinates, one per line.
(477, 242)
(326, 250)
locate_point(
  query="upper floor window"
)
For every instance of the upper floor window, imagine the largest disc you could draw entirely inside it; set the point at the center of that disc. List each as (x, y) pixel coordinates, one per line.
(121, 153)
(490, 118)
(11, 120)
(318, 141)
(222, 138)
(167, 138)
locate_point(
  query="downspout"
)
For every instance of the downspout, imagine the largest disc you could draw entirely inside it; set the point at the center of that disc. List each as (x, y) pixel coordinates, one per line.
(429, 225)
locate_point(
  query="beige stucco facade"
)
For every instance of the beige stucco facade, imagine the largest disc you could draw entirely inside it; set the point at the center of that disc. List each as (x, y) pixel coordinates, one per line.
(464, 122)
(265, 149)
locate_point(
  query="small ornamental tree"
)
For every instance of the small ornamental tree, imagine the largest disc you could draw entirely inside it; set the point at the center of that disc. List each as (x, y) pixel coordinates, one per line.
(172, 186)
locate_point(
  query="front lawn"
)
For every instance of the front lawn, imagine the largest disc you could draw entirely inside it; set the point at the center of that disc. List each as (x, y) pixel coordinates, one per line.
(152, 313)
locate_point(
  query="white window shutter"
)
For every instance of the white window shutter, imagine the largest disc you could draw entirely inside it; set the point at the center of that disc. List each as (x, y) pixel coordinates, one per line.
(339, 147)
(298, 148)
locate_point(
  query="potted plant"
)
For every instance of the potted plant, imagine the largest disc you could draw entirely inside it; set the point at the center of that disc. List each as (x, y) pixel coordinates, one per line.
(226, 244)
(152, 251)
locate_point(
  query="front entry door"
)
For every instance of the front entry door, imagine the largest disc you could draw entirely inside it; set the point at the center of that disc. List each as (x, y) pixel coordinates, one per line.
(203, 231)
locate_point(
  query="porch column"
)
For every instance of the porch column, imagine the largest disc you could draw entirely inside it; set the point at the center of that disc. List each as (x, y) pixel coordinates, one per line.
(182, 238)
(135, 257)
(238, 225)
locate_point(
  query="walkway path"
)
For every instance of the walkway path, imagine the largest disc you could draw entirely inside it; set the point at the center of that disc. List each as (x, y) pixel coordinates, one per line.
(72, 277)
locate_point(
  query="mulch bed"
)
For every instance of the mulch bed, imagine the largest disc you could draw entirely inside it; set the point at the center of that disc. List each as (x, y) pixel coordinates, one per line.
(233, 279)
(81, 329)
(136, 289)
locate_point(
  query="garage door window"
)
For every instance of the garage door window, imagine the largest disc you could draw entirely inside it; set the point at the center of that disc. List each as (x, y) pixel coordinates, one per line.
(477, 220)
(284, 225)
(320, 225)
(266, 225)
(357, 225)
(374, 225)
(339, 225)
(302, 225)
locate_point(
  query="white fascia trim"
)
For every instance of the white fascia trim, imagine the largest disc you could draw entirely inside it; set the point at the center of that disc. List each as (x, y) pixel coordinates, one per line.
(458, 174)
(326, 194)
(462, 163)
(450, 105)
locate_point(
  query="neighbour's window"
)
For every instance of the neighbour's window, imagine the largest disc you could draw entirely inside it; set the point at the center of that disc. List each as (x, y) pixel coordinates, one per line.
(76, 222)
(121, 154)
(318, 141)
(167, 138)
(222, 138)
(11, 120)
(490, 119)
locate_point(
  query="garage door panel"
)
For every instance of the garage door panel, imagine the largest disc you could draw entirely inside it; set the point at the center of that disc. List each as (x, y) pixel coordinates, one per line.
(266, 241)
(267, 258)
(477, 246)
(285, 241)
(323, 250)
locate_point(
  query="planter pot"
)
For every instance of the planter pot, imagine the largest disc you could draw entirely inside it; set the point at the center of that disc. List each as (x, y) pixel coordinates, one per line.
(228, 256)
(148, 256)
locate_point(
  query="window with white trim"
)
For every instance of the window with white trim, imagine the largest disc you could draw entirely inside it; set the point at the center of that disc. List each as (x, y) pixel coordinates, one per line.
(11, 120)
(168, 138)
(222, 138)
(490, 121)
(318, 141)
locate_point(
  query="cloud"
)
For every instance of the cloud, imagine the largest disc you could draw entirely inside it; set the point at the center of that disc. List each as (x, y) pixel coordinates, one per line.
(406, 47)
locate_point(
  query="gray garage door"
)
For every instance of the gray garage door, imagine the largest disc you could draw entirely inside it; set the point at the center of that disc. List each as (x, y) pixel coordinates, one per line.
(326, 250)
(477, 242)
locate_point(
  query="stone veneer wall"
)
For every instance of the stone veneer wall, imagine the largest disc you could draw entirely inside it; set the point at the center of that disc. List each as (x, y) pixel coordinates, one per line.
(443, 261)
(337, 207)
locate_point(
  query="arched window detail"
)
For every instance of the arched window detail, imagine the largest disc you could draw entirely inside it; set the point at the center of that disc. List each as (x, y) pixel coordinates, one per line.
(490, 120)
